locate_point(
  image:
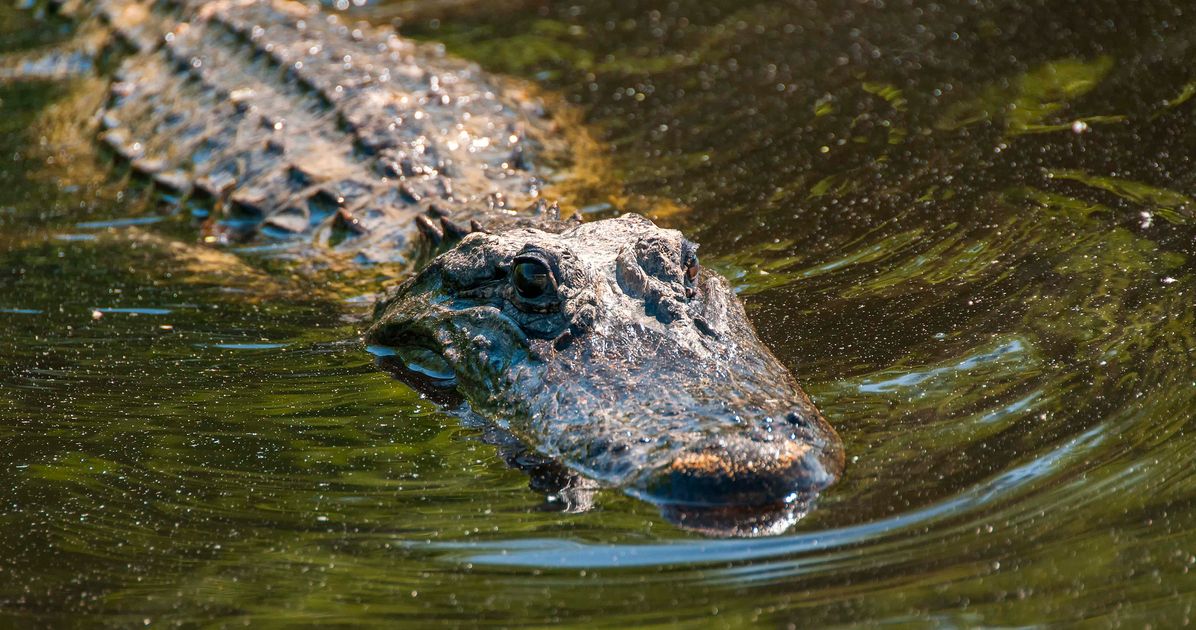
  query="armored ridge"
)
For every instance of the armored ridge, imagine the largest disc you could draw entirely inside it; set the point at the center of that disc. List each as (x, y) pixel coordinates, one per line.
(604, 346)
(298, 124)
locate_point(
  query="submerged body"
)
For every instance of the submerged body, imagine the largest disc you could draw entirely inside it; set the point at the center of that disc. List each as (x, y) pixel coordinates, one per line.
(297, 124)
(604, 346)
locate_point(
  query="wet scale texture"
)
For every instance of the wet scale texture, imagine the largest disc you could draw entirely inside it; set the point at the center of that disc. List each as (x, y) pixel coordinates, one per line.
(628, 368)
(300, 124)
(644, 374)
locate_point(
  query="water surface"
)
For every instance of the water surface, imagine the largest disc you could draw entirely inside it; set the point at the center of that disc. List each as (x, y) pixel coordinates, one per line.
(966, 226)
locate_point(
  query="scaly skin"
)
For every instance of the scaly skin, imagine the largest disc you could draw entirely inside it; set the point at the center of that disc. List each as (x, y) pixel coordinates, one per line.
(636, 366)
(604, 346)
(301, 125)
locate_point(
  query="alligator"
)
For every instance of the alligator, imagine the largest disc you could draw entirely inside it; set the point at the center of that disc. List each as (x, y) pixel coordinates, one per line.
(603, 345)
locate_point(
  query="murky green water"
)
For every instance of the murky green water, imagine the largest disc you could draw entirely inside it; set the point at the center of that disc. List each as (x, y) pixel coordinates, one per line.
(967, 227)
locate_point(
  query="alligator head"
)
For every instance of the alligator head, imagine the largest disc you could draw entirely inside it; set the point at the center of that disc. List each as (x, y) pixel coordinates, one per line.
(608, 348)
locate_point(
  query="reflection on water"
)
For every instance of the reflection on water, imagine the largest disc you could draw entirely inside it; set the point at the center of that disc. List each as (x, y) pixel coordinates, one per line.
(965, 225)
(569, 554)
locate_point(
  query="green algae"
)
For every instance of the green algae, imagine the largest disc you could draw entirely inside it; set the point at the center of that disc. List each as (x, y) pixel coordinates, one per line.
(1024, 103)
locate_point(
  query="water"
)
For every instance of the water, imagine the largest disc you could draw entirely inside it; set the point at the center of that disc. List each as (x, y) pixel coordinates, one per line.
(966, 226)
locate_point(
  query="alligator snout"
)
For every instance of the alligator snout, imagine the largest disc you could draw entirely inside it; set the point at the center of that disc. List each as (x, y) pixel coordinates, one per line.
(739, 471)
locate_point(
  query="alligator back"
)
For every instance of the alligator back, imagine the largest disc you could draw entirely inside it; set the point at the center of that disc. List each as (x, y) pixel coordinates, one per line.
(298, 124)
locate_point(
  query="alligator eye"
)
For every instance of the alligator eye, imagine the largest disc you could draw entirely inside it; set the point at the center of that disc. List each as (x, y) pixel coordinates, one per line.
(691, 271)
(532, 278)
